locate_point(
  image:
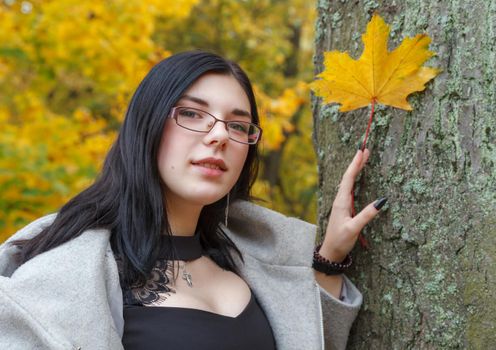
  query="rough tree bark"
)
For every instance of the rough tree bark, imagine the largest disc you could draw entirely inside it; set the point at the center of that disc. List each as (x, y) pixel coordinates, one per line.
(429, 276)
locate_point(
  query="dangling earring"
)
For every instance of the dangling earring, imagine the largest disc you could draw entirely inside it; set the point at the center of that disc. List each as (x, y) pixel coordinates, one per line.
(226, 211)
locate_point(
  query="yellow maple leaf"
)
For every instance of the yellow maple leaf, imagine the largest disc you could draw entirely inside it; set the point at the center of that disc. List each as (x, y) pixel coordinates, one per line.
(378, 75)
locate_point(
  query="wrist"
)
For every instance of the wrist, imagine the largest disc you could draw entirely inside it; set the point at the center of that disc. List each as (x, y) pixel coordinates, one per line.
(332, 254)
(330, 267)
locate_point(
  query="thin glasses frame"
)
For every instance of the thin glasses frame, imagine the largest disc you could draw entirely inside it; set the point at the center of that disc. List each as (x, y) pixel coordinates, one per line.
(174, 115)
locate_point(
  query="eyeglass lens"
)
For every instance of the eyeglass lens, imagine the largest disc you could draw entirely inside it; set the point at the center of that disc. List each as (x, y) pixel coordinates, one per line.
(198, 120)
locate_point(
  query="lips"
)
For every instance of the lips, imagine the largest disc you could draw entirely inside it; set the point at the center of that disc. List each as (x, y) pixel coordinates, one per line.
(211, 163)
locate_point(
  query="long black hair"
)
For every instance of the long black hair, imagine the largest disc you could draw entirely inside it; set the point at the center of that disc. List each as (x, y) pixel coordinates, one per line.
(127, 197)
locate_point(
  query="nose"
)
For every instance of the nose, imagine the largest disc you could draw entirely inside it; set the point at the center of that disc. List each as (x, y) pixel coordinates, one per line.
(218, 134)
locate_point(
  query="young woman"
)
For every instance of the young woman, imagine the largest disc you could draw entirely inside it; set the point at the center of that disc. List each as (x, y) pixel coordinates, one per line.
(165, 251)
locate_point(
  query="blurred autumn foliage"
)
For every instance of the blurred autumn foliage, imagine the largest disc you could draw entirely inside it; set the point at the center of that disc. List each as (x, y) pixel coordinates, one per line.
(68, 69)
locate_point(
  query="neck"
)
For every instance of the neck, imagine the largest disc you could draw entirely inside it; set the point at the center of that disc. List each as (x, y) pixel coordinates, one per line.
(183, 216)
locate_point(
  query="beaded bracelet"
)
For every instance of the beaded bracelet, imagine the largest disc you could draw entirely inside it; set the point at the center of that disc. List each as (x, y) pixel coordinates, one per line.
(328, 267)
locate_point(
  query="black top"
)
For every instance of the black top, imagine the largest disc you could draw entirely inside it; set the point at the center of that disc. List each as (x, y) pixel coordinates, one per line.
(147, 326)
(156, 327)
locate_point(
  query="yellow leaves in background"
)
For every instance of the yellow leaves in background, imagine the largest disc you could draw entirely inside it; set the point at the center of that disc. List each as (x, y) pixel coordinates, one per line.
(379, 75)
(44, 161)
(67, 69)
(101, 45)
(276, 113)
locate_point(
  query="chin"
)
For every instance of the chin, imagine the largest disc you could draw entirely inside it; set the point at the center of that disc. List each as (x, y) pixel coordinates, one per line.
(206, 199)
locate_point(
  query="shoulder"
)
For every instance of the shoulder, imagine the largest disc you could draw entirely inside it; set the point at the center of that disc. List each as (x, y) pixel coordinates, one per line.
(241, 208)
(7, 250)
(90, 245)
(270, 236)
(32, 229)
(41, 290)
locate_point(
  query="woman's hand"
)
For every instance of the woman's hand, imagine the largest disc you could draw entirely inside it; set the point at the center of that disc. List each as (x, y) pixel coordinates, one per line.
(343, 230)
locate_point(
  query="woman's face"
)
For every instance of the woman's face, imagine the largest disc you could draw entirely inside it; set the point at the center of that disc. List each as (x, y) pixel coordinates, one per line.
(186, 158)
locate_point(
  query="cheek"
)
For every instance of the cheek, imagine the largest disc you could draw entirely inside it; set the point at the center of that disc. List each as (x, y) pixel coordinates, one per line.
(162, 155)
(167, 154)
(240, 159)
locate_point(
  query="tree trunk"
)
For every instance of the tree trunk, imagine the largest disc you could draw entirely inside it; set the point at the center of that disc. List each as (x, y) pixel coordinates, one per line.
(429, 275)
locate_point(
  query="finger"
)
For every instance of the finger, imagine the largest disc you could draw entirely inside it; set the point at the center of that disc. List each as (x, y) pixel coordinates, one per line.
(349, 175)
(368, 213)
(353, 170)
(365, 158)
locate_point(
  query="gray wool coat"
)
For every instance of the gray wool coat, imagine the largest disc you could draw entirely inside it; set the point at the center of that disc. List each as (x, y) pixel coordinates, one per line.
(70, 298)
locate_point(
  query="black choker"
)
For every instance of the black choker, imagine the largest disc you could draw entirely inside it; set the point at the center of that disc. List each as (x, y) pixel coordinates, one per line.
(185, 247)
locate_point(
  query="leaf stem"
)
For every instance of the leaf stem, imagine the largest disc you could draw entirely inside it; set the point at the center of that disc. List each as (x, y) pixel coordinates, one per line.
(369, 124)
(361, 238)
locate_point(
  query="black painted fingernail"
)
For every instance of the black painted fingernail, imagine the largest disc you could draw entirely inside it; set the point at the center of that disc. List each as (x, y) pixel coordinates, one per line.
(380, 203)
(359, 145)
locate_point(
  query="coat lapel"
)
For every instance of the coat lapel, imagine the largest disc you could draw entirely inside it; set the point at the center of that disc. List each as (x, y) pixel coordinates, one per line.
(277, 253)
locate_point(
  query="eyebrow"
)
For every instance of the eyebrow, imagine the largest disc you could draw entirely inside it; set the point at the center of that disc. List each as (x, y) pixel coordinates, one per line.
(235, 111)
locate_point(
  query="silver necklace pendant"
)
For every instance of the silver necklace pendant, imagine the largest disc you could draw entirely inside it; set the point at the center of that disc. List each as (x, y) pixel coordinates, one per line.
(187, 276)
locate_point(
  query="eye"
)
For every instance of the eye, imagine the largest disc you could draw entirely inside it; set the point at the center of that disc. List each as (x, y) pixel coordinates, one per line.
(239, 127)
(190, 113)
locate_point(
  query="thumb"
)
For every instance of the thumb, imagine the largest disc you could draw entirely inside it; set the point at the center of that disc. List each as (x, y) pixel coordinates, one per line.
(369, 212)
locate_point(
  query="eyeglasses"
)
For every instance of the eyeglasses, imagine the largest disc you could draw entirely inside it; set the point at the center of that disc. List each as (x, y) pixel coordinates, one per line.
(200, 121)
